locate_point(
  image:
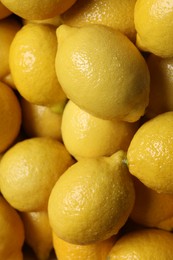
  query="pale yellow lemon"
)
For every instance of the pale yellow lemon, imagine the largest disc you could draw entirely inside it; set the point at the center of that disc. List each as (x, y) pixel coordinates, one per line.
(38, 234)
(12, 232)
(92, 199)
(29, 170)
(150, 153)
(10, 117)
(40, 120)
(143, 244)
(4, 11)
(96, 251)
(37, 9)
(161, 82)
(32, 64)
(85, 135)
(152, 209)
(8, 29)
(153, 23)
(102, 72)
(113, 13)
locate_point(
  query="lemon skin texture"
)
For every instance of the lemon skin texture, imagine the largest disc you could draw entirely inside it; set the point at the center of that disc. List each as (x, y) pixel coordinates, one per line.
(36, 9)
(85, 135)
(150, 153)
(29, 170)
(143, 244)
(113, 13)
(92, 200)
(31, 58)
(102, 72)
(153, 23)
(94, 251)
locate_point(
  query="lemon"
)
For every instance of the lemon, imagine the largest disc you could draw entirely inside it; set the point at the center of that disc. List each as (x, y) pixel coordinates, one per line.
(11, 225)
(161, 91)
(32, 58)
(10, 117)
(143, 244)
(37, 9)
(96, 251)
(92, 200)
(150, 153)
(102, 72)
(38, 234)
(8, 29)
(40, 120)
(29, 170)
(4, 12)
(113, 13)
(152, 209)
(153, 23)
(85, 135)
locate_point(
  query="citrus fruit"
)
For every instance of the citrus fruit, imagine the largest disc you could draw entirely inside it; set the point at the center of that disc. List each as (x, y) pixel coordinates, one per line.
(150, 153)
(116, 14)
(99, 79)
(161, 81)
(143, 244)
(36, 9)
(32, 58)
(153, 23)
(96, 251)
(38, 234)
(85, 135)
(92, 199)
(39, 120)
(8, 29)
(29, 170)
(10, 117)
(152, 209)
(4, 12)
(11, 225)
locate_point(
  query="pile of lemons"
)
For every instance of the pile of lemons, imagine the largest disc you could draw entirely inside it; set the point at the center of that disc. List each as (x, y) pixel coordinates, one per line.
(86, 129)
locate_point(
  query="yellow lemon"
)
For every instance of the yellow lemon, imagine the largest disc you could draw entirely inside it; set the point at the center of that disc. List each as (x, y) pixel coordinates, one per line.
(38, 234)
(92, 200)
(152, 209)
(161, 91)
(150, 153)
(40, 120)
(96, 251)
(4, 11)
(153, 23)
(113, 13)
(10, 117)
(143, 244)
(8, 29)
(37, 9)
(102, 72)
(12, 232)
(85, 135)
(29, 170)
(32, 58)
